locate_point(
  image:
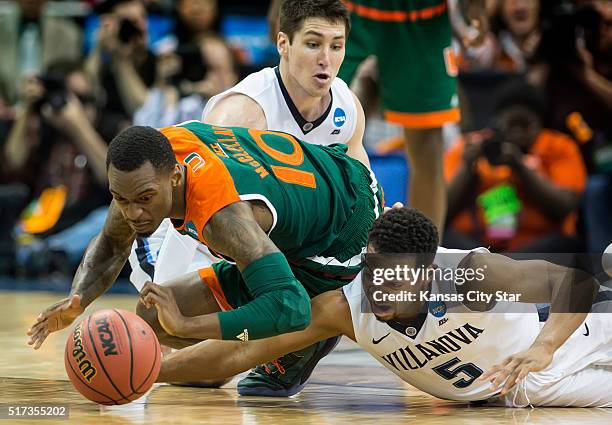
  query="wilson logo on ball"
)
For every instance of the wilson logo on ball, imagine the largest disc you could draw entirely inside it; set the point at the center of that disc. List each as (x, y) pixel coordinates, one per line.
(106, 337)
(85, 366)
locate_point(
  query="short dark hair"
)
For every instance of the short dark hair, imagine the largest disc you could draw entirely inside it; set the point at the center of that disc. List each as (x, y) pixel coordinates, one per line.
(131, 148)
(405, 231)
(293, 13)
(522, 93)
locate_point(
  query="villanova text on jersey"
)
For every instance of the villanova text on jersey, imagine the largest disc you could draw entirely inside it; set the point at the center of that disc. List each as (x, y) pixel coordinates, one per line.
(416, 356)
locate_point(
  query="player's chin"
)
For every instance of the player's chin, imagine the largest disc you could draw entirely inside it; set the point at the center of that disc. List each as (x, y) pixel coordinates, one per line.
(144, 234)
(383, 312)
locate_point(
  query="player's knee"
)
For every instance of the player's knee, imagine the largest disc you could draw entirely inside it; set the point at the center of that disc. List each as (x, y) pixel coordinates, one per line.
(149, 315)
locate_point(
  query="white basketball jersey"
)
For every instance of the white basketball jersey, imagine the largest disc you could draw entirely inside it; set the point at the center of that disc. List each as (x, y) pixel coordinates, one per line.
(445, 351)
(336, 125)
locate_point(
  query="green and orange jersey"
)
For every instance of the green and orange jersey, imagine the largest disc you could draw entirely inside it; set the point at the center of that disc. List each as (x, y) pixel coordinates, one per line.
(412, 42)
(320, 198)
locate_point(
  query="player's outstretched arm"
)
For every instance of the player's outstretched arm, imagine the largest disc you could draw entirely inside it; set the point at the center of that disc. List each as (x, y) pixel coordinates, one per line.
(224, 359)
(570, 293)
(280, 305)
(100, 266)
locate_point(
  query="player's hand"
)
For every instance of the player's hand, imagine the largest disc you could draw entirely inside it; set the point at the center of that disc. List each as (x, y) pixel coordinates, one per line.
(168, 313)
(395, 206)
(54, 318)
(517, 366)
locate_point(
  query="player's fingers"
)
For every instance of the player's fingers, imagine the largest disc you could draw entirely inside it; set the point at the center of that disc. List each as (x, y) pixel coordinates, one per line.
(37, 327)
(493, 370)
(41, 340)
(156, 289)
(523, 374)
(146, 288)
(152, 299)
(75, 301)
(33, 340)
(503, 374)
(40, 317)
(38, 332)
(510, 381)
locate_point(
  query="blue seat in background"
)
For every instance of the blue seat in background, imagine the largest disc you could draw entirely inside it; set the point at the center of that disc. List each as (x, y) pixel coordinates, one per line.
(392, 174)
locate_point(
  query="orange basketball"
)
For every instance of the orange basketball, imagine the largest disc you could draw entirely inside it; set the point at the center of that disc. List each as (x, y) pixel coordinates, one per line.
(112, 357)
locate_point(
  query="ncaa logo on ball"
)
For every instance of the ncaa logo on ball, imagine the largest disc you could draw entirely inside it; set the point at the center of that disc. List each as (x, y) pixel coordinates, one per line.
(339, 117)
(437, 308)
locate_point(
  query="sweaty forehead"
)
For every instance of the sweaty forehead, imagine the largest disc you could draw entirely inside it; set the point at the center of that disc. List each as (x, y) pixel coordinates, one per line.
(323, 26)
(129, 184)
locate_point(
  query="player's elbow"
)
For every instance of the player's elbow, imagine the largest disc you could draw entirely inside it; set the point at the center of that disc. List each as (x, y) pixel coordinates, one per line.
(296, 312)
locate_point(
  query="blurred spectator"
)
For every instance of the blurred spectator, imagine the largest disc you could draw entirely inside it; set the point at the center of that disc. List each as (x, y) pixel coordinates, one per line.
(516, 188)
(198, 25)
(191, 68)
(512, 40)
(54, 149)
(186, 77)
(31, 40)
(196, 20)
(120, 63)
(574, 65)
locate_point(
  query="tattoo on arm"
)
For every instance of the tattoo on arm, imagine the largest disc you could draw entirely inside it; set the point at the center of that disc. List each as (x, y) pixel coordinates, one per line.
(104, 258)
(235, 233)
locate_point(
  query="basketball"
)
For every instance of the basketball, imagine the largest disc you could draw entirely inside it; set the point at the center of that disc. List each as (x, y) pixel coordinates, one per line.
(112, 357)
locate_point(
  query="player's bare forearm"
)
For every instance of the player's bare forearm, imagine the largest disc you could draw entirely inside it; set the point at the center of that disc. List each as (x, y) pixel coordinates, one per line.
(569, 291)
(217, 359)
(202, 327)
(558, 328)
(104, 258)
(572, 292)
(223, 359)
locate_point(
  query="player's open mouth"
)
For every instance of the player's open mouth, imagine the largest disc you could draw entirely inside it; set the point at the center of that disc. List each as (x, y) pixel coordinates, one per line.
(322, 78)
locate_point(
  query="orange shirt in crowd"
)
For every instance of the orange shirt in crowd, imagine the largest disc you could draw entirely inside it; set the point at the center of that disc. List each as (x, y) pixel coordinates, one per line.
(553, 155)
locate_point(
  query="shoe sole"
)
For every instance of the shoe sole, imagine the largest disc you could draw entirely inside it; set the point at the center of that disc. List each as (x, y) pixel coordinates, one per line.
(262, 391)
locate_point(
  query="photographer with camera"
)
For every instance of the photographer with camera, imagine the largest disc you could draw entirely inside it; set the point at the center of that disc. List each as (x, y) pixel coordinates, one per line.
(515, 188)
(55, 150)
(120, 63)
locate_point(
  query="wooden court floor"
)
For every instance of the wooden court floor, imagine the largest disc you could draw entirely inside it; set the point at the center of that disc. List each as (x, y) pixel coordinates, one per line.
(348, 387)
